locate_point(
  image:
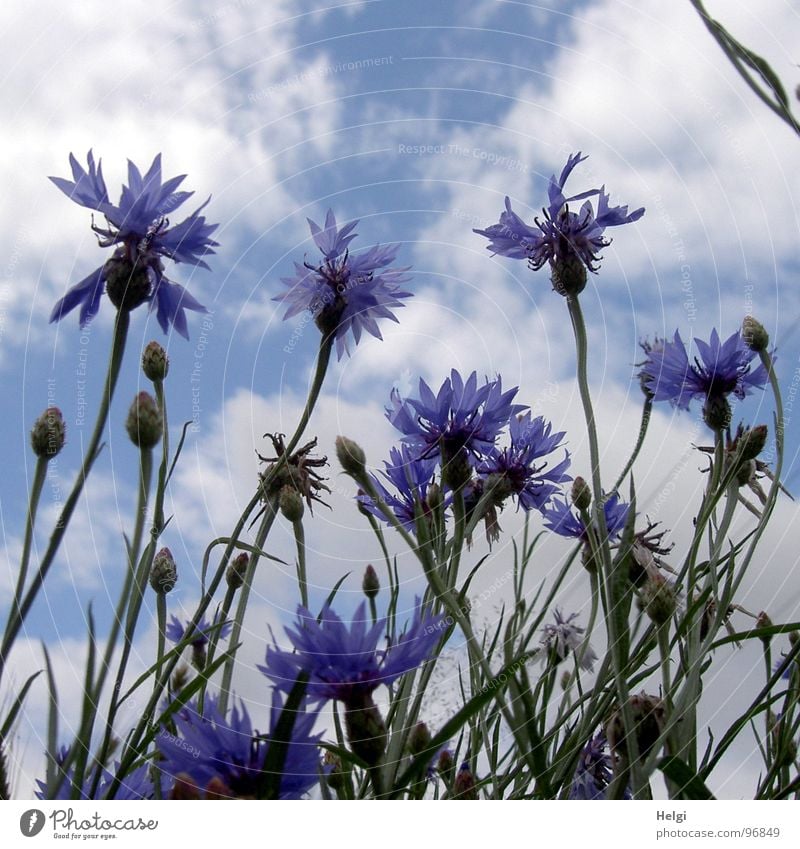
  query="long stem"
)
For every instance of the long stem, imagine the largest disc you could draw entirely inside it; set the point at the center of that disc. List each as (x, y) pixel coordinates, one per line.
(271, 510)
(615, 636)
(39, 475)
(302, 578)
(647, 410)
(19, 613)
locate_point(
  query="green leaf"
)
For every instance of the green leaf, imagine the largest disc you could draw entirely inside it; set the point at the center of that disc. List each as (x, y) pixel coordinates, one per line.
(15, 708)
(280, 739)
(680, 773)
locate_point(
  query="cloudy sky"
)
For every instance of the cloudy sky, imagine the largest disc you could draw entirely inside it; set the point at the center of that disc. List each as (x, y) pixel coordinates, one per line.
(416, 118)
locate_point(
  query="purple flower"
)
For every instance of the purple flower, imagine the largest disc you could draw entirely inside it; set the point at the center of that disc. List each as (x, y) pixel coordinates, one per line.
(345, 293)
(563, 520)
(563, 637)
(139, 226)
(221, 756)
(594, 772)
(410, 477)
(344, 662)
(176, 631)
(562, 235)
(461, 416)
(136, 785)
(516, 468)
(722, 369)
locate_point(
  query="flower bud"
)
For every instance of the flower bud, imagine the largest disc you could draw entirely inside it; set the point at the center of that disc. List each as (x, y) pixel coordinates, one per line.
(291, 504)
(763, 621)
(351, 457)
(580, 494)
(236, 571)
(48, 434)
(657, 599)
(185, 787)
(435, 497)
(648, 720)
(163, 573)
(794, 636)
(464, 787)
(127, 283)
(155, 363)
(754, 335)
(419, 740)
(445, 765)
(144, 422)
(750, 443)
(370, 584)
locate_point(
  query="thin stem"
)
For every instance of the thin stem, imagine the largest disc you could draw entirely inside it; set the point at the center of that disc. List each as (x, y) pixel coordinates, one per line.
(270, 512)
(300, 543)
(19, 612)
(39, 475)
(647, 410)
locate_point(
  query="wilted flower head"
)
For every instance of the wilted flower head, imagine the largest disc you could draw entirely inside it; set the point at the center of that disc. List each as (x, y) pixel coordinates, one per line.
(560, 517)
(136, 785)
(140, 227)
(462, 415)
(410, 478)
(723, 369)
(346, 293)
(564, 238)
(563, 637)
(344, 662)
(515, 471)
(216, 756)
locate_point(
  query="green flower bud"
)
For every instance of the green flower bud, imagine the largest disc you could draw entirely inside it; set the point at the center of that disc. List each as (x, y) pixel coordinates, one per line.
(236, 571)
(581, 494)
(48, 434)
(763, 621)
(163, 573)
(370, 584)
(464, 787)
(155, 363)
(419, 740)
(351, 457)
(127, 283)
(754, 335)
(291, 504)
(144, 422)
(658, 599)
(435, 498)
(750, 443)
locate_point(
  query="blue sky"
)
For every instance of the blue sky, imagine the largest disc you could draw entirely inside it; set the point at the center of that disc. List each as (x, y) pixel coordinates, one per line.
(417, 118)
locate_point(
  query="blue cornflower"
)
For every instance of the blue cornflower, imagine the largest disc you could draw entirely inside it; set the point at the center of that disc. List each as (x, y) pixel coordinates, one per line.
(344, 662)
(564, 237)
(563, 520)
(723, 369)
(594, 771)
(345, 293)
(410, 477)
(138, 224)
(514, 471)
(211, 755)
(462, 416)
(135, 785)
(176, 631)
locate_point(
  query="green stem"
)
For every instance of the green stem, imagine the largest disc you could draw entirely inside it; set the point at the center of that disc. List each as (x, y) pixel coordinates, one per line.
(39, 475)
(271, 511)
(302, 578)
(19, 613)
(615, 637)
(647, 410)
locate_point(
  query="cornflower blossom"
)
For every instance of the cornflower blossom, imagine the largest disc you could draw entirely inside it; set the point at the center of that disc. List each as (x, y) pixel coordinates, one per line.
(214, 756)
(560, 517)
(563, 637)
(138, 225)
(136, 785)
(345, 293)
(569, 241)
(515, 470)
